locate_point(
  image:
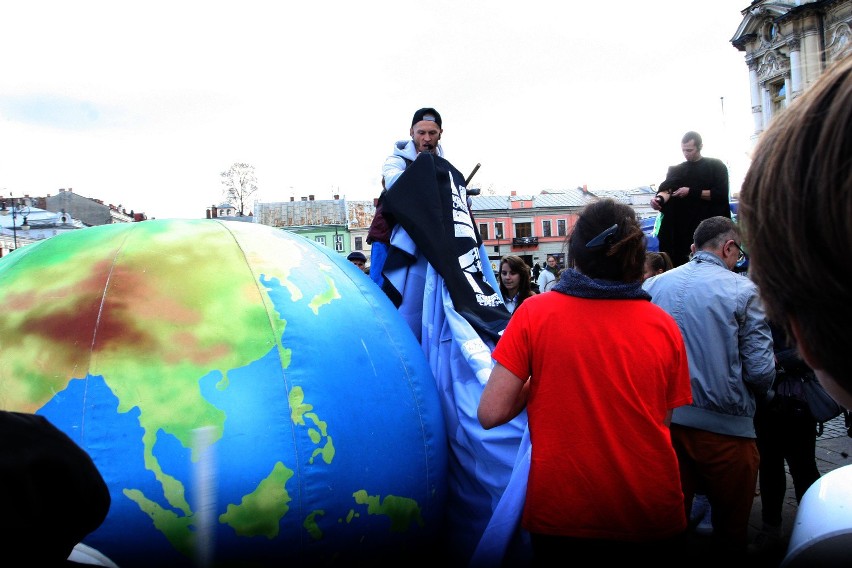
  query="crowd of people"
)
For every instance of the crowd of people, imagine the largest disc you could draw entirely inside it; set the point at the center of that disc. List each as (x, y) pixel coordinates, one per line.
(708, 422)
(710, 432)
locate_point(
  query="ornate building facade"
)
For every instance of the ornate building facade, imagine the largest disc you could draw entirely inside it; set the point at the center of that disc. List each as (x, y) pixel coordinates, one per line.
(787, 46)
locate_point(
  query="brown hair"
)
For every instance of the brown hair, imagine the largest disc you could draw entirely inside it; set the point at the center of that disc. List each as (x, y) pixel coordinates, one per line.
(796, 210)
(658, 261)
(517, 264)
(622, 257)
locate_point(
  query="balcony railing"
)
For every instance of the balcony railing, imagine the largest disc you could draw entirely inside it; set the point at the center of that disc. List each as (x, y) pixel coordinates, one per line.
(524, 241)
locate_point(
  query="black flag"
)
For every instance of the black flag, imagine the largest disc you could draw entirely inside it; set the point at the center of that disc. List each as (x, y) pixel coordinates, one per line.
(429, 200)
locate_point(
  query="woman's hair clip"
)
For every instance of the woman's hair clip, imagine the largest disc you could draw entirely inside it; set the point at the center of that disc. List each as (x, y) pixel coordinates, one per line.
(603, 239)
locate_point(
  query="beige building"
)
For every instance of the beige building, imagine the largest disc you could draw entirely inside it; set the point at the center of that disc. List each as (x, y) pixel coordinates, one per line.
(339, 223)
(788, 45)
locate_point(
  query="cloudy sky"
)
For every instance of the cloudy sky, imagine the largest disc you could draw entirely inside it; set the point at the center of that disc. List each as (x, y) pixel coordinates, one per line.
(144, 104)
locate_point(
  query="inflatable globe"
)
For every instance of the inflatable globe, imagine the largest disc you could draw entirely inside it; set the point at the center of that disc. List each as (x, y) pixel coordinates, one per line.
(250, 398)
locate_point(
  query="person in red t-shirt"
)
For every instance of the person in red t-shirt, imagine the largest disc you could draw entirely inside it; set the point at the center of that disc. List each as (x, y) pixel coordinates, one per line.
(599, 369)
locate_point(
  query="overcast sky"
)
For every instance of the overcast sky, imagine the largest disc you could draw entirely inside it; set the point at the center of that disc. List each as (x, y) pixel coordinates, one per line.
(144, 104)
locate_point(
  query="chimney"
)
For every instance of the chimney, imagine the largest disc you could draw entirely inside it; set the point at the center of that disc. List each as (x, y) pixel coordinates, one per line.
(292, 198)
(336, 197)
(310, 198)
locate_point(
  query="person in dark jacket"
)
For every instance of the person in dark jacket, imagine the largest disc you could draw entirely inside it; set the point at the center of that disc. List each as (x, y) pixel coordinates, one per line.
(694, 190)
(786, 431)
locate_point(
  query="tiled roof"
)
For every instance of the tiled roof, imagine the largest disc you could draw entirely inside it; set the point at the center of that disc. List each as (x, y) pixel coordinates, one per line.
(486, 202)
(571, 198)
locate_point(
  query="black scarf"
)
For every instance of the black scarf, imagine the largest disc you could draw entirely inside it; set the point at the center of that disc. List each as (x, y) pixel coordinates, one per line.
(577, 284)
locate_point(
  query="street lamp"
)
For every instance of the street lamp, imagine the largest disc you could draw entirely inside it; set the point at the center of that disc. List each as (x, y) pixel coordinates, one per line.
(16, 210)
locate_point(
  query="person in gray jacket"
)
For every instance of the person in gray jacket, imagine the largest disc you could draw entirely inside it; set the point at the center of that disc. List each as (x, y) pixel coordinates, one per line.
(731, 364)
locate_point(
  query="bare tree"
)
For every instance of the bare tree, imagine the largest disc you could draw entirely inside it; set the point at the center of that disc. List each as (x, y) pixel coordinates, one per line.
(239, 184)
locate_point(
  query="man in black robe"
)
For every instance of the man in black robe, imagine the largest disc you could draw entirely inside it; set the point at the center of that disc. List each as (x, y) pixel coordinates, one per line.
(692, 191)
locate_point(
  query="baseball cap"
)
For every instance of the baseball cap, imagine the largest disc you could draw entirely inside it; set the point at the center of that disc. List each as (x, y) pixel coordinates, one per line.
(356, 255)
(427, 114)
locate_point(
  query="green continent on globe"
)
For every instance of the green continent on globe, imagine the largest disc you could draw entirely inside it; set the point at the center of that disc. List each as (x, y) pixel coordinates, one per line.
(260, 512)
(299, 411)
(401, 510)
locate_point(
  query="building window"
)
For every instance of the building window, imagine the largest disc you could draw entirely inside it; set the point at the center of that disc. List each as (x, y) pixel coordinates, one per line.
(359, 245)
(483, 231)
(560, 227)
(778, 93)
(523, 230)
(498, 230)
(545, 229)
(320, 239)
(770, 31)
(338, 243)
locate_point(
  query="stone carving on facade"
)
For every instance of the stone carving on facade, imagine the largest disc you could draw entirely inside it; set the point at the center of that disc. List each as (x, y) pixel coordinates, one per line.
(841, 43)
(773, 64)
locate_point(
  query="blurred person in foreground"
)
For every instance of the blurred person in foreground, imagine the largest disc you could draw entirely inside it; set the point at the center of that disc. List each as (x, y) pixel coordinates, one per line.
(52, 493)
(515, 281)
(796, 207)
(731, 365)
(598, 487)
